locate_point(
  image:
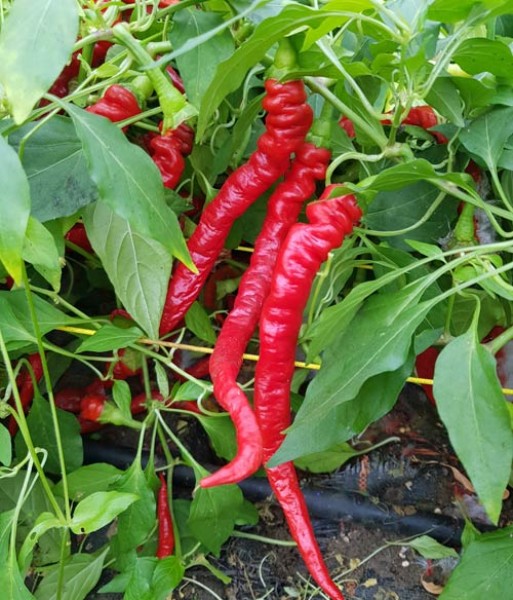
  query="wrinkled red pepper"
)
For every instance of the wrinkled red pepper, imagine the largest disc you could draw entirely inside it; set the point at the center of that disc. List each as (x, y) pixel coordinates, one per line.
(116, 104)
(166, 535)
(25, 385)
(283, 209)
(302, 253)
(288, 120)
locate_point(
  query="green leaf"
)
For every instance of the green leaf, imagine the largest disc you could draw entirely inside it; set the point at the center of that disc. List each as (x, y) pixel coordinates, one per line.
(376, 398)
(188, 391)
(81, 572)
(480, 55)
(122, 397)
(110, 337)
(153, 579)
(128, 181)
(188, 24)
(328, 460)
(16, 323)
(42, 432)
(214, 514)
(44, 523)
(485, 570)
(486, 136)
(472, 407)
(60, 184)
(221, 433)
(197, 320)
(428, 250)
(99, 509)
(445, 98)
(86, 480)
(14, 209)
(402, 175)
(139, 268)
(5, 446)
(231, 73)
(11, 580)
(40, 250)
(404, 208)
(135, 524)
(34, 46)
(429, 548)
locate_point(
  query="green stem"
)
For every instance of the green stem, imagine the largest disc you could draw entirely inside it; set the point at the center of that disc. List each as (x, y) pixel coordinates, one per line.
(186, 455)
(263, 539)
(448, 317)
(24, 430)
(49, 391)
(379, 139)
(500, 190)
(175, 107)
(500, 341)
(60, 579)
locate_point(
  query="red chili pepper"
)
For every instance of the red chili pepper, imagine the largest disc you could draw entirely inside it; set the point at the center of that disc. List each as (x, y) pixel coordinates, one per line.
(302, 253)
(168, 151)
(25, 386)
(60, 87)
(283, 210)
(69, 399)
(176, 79)
(88, 426)
(347, 126)
(91, 406)
(120, 312)
(138, 404)
(77, 235)
(166, 541)
(121, 370)
(288, 120)
(188, 405)
(117, 104)
(425, 367)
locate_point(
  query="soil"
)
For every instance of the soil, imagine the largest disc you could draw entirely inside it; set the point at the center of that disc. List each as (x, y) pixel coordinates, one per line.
(400, 481)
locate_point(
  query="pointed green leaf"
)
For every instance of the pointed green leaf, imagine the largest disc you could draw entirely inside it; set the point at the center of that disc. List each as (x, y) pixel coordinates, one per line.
(138, 267)
(110, 337)
(472, 407)
(14, 209)
(485, 570)
(40, 250)
(35, 44)
(188, 24)
(99, 509)
(59, 181)
(128, 181)
(486, 136)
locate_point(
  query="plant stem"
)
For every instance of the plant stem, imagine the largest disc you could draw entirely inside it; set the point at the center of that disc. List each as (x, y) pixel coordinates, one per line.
(501, 340)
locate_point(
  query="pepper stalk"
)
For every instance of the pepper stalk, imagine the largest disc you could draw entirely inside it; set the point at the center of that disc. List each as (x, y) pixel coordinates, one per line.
(175, 107)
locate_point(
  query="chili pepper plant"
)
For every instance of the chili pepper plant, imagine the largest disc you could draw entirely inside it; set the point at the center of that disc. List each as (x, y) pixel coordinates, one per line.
(326, 184)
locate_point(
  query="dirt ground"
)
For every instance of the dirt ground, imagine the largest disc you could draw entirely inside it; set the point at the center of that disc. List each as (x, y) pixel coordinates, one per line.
(393, 494)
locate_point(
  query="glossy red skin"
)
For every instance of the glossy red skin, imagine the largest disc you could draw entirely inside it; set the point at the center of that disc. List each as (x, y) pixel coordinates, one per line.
(283, 210)
(117, 104)
(166, 536)
(176, 79)
(305, 248)
(91, 407)
(168, 151)
(77, 235)
(425, 367)
(421, 116)
(288, 121)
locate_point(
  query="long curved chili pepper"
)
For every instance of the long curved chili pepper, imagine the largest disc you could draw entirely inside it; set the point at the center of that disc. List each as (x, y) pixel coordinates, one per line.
(302, 253)
(288, 121)
(166, 540)
(283, 210)
(25, 385)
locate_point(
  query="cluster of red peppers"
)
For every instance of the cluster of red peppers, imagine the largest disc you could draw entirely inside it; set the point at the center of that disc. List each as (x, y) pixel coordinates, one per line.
(273, 291)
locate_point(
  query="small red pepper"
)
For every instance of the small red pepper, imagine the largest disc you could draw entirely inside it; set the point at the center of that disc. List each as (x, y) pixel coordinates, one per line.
(91, 407)
(117, 104)
(69, 399)
(168, 151)
(425, 367)
(77, 235)
(166, 535)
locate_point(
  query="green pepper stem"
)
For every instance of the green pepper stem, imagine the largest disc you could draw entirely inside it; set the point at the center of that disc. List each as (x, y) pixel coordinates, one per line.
(464, 230)
(175, 107)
